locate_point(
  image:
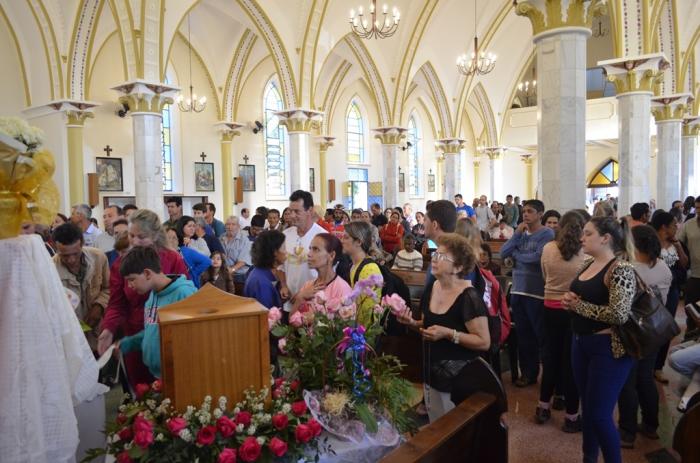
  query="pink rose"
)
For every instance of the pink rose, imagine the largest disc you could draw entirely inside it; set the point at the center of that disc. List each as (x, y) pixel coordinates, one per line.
(227, 455)
(226, 426)
(206, 435)
(278, 447)
(157, 386)
(280, 421)
(303, 433)
(278, 382)
(315, 427)
(243, 418)
(299, 408)
(395, 303)
(143, 438)
(124, 457)
(141, 390)
(347, 312)
(297, 319)
(249, 449)
(274, 315)
(142, 424)
(175, 425)
(282, 345)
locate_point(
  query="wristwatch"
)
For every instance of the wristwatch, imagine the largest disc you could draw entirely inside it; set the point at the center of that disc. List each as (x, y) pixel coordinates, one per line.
(455, 336)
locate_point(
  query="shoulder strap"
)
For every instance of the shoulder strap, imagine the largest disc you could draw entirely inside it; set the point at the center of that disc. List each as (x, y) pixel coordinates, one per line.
(609, 272)
(359, 268)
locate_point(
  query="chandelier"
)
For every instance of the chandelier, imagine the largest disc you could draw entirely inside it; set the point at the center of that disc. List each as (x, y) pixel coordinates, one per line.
(191, 104)
(479, 63)
(368, 28)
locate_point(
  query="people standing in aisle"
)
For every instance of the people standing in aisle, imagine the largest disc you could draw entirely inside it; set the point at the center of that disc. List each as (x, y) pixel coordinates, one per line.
(460, 205)
(357, 243)
(511, 213)
(640, 214)
(263, 284)
(274, 221)
(690, 237)
(80, 215)
(484, 215)
(174, 205)
(105, 241)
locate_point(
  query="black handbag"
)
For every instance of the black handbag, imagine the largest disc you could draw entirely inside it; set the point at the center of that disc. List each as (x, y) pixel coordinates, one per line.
(650, 324)
(443, 373)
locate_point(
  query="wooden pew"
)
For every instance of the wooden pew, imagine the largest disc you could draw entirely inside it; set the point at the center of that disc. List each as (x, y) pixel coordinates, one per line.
(415, 282)
(471, 432)
(685, 437)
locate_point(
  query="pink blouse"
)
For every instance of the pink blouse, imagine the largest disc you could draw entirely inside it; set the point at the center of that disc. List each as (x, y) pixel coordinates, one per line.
(333, 293)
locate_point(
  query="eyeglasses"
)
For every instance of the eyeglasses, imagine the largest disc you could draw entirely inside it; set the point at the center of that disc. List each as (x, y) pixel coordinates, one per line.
(438, 256)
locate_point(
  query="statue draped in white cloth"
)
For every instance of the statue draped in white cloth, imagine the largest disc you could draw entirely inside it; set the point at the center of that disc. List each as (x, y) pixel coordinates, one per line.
(46, 366)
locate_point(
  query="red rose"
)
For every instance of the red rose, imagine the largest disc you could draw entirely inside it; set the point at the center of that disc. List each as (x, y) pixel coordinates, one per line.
(249, 449)
(141, 389)
(122, 418)
(226, 426)
(278, 447)
(294, 385)
(156, 386)
(175, 425)
(303, 433)
(124, 458)
(143, 438)
(280, 421)
(206, 435)
(315, 427)
(125, 434)
(277, 393)
(227, 456)
(278, 382)
(243, 418)
(142, 424)
(299, 408)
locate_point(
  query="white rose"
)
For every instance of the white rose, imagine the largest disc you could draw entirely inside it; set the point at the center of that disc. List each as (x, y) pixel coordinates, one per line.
(252, 429)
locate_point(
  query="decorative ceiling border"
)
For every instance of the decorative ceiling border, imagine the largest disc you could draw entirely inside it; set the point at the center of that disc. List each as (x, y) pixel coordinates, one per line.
(330, 99)
(125, 25)
(374, 80)
(487, 114)
(20, 57)
(308, 52)
(81, 46)
(439, 99)
(233, 82)
(151, 35)
(53, 56)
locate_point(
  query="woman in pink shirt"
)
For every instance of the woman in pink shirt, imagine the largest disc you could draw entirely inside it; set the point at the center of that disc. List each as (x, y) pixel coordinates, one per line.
(324, 252)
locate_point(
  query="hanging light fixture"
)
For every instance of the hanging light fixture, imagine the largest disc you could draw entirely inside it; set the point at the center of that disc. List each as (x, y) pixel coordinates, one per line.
(368, 28)
(528, 88)
(191, 104)
(479, 63)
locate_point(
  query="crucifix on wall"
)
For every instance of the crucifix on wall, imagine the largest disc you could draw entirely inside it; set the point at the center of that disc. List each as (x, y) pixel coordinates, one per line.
(108, 149)
(203, 156)
(245, 158)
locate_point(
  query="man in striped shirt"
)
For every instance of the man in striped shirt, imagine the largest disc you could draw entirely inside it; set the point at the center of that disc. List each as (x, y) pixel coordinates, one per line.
(408, 258)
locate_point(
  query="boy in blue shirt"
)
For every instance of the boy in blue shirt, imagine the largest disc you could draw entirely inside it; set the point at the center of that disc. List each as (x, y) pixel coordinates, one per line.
(141, 269)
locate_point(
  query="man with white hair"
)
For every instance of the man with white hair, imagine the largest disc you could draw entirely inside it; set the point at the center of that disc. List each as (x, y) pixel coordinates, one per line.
(237, 249)
(408, 215)
(80, 215)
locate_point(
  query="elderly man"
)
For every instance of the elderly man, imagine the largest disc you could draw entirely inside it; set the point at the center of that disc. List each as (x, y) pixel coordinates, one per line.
(408, 215)
(84, 271)
(105, 241)
(80, 216)
(236, 249)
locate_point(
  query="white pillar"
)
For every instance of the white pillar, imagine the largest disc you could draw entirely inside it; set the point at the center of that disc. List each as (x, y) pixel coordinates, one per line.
(634, 79)
(299, 123)
(452, 150)
(146, 101)
(689, 146)
(390, 137)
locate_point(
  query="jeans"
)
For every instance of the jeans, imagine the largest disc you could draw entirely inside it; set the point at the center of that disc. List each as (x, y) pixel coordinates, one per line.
(685, 358)
(599, 378)
(528, 312)
(672, 300)
(556, 362)
(692, 294)
(639, 391)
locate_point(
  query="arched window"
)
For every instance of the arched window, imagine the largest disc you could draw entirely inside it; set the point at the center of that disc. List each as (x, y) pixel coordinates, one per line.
(354, 128)
(414, 154)
(607, 176)
(166, 148)
(275, 143)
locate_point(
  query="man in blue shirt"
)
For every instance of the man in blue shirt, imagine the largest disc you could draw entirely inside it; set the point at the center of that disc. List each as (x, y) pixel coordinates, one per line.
(460, 205)
(527, 293)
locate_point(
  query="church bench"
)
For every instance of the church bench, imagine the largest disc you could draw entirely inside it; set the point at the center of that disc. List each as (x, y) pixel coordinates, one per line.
(685, 437)
(415, 282)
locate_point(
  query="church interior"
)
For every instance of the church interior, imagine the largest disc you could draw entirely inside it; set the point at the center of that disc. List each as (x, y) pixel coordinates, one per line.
(240, 103)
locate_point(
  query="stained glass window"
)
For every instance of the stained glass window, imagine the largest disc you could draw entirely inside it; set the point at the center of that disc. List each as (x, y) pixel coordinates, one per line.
(166, 149)
(608, 175)
(275, 141)
(414, 153)
(356, 134)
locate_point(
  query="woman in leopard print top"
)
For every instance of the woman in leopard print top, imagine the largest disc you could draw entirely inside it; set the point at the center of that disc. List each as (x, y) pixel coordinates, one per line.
(600, 299)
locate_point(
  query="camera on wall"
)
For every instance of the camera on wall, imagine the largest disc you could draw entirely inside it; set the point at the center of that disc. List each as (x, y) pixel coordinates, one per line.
(257, 126)
(123, 110)
(408, 145)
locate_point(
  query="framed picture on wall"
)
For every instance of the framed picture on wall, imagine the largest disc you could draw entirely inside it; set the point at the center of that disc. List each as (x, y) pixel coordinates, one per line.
(204, 176)
(109, 174)
(431, 183)
(246, 175)
(402, 183)
(312, 180)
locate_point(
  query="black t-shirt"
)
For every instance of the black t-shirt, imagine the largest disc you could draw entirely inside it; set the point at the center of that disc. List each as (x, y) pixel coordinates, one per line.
(594, 291)
(467, 306)
(379, 220)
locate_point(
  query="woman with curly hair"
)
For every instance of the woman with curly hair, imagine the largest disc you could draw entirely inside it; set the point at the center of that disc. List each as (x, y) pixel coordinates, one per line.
(268, 253)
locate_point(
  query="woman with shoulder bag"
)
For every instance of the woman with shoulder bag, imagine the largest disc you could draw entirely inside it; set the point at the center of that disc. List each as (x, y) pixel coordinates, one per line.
(599, 299)
(454, 323)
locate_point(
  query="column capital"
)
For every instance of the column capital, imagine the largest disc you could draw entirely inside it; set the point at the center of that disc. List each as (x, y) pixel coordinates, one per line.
(670, 107)
(299, 119)
(476, 162)
(492, 152)
(691, 126)
(548, 15)
(146, 97)
(635, 73)
(450, 145)
(390, 135)
(325, 142)
(527, 159)
(228, 130)
(76, 111)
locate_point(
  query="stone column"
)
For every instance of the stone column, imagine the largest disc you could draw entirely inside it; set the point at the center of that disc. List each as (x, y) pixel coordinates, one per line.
(146, 101)
(440, 176)
(452, 149)
(689, 146)
(634, 78)
(477, 161)
(323, 145)
(561, 30)
(527, 160)
(227, 130)
(76, 113)
(390, 137)
(495, 155)
(668, 111)
(299, 123)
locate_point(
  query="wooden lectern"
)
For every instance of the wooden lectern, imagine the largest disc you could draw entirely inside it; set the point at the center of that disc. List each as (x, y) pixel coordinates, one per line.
(213, 343)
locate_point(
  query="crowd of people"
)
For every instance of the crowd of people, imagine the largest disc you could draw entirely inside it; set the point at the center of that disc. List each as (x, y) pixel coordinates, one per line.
(573, 279)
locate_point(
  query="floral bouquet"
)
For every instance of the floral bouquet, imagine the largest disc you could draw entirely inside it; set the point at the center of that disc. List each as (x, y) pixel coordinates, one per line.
(148, 429)
(334, 356)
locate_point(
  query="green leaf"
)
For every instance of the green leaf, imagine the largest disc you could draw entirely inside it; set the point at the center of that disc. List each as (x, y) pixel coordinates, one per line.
(280, 331)
(135, 452)
(367, 418)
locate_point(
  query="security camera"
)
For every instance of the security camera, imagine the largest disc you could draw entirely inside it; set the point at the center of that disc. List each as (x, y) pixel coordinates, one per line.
(258, 127)
(408, 145)
(123, 111)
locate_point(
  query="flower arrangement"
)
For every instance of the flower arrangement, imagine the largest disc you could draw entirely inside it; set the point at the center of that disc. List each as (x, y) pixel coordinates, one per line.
(148, 429)
(334, 356)
(20, 130)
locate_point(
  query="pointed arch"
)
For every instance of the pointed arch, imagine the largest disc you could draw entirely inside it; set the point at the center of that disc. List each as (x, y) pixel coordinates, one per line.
(125, 25)
(439, 98)
(687, 60)
(20, 56)
(355, 132)
(275, 137)
(235, 74)
(84, 27)
(53, 55)
(330, 99)
(308, 52)
(414, 136)
(484, 105)
(605, 175)
(372, 76)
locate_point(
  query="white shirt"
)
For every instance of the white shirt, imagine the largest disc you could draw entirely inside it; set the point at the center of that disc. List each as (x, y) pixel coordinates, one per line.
(90, 235)
(483, 215)
(104, 242)
(243, 222)
(296, 267)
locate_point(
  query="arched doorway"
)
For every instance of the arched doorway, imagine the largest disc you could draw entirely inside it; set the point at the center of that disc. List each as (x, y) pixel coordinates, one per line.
(604, 182)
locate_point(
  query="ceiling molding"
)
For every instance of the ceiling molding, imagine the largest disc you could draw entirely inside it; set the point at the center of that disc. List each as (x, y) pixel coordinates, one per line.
(374, 80)
(439, 98)
(314, 23)
(234, 80)
(20, 57)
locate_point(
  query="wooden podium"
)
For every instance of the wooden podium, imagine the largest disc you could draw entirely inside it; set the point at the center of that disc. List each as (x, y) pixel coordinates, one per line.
(213, 343)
